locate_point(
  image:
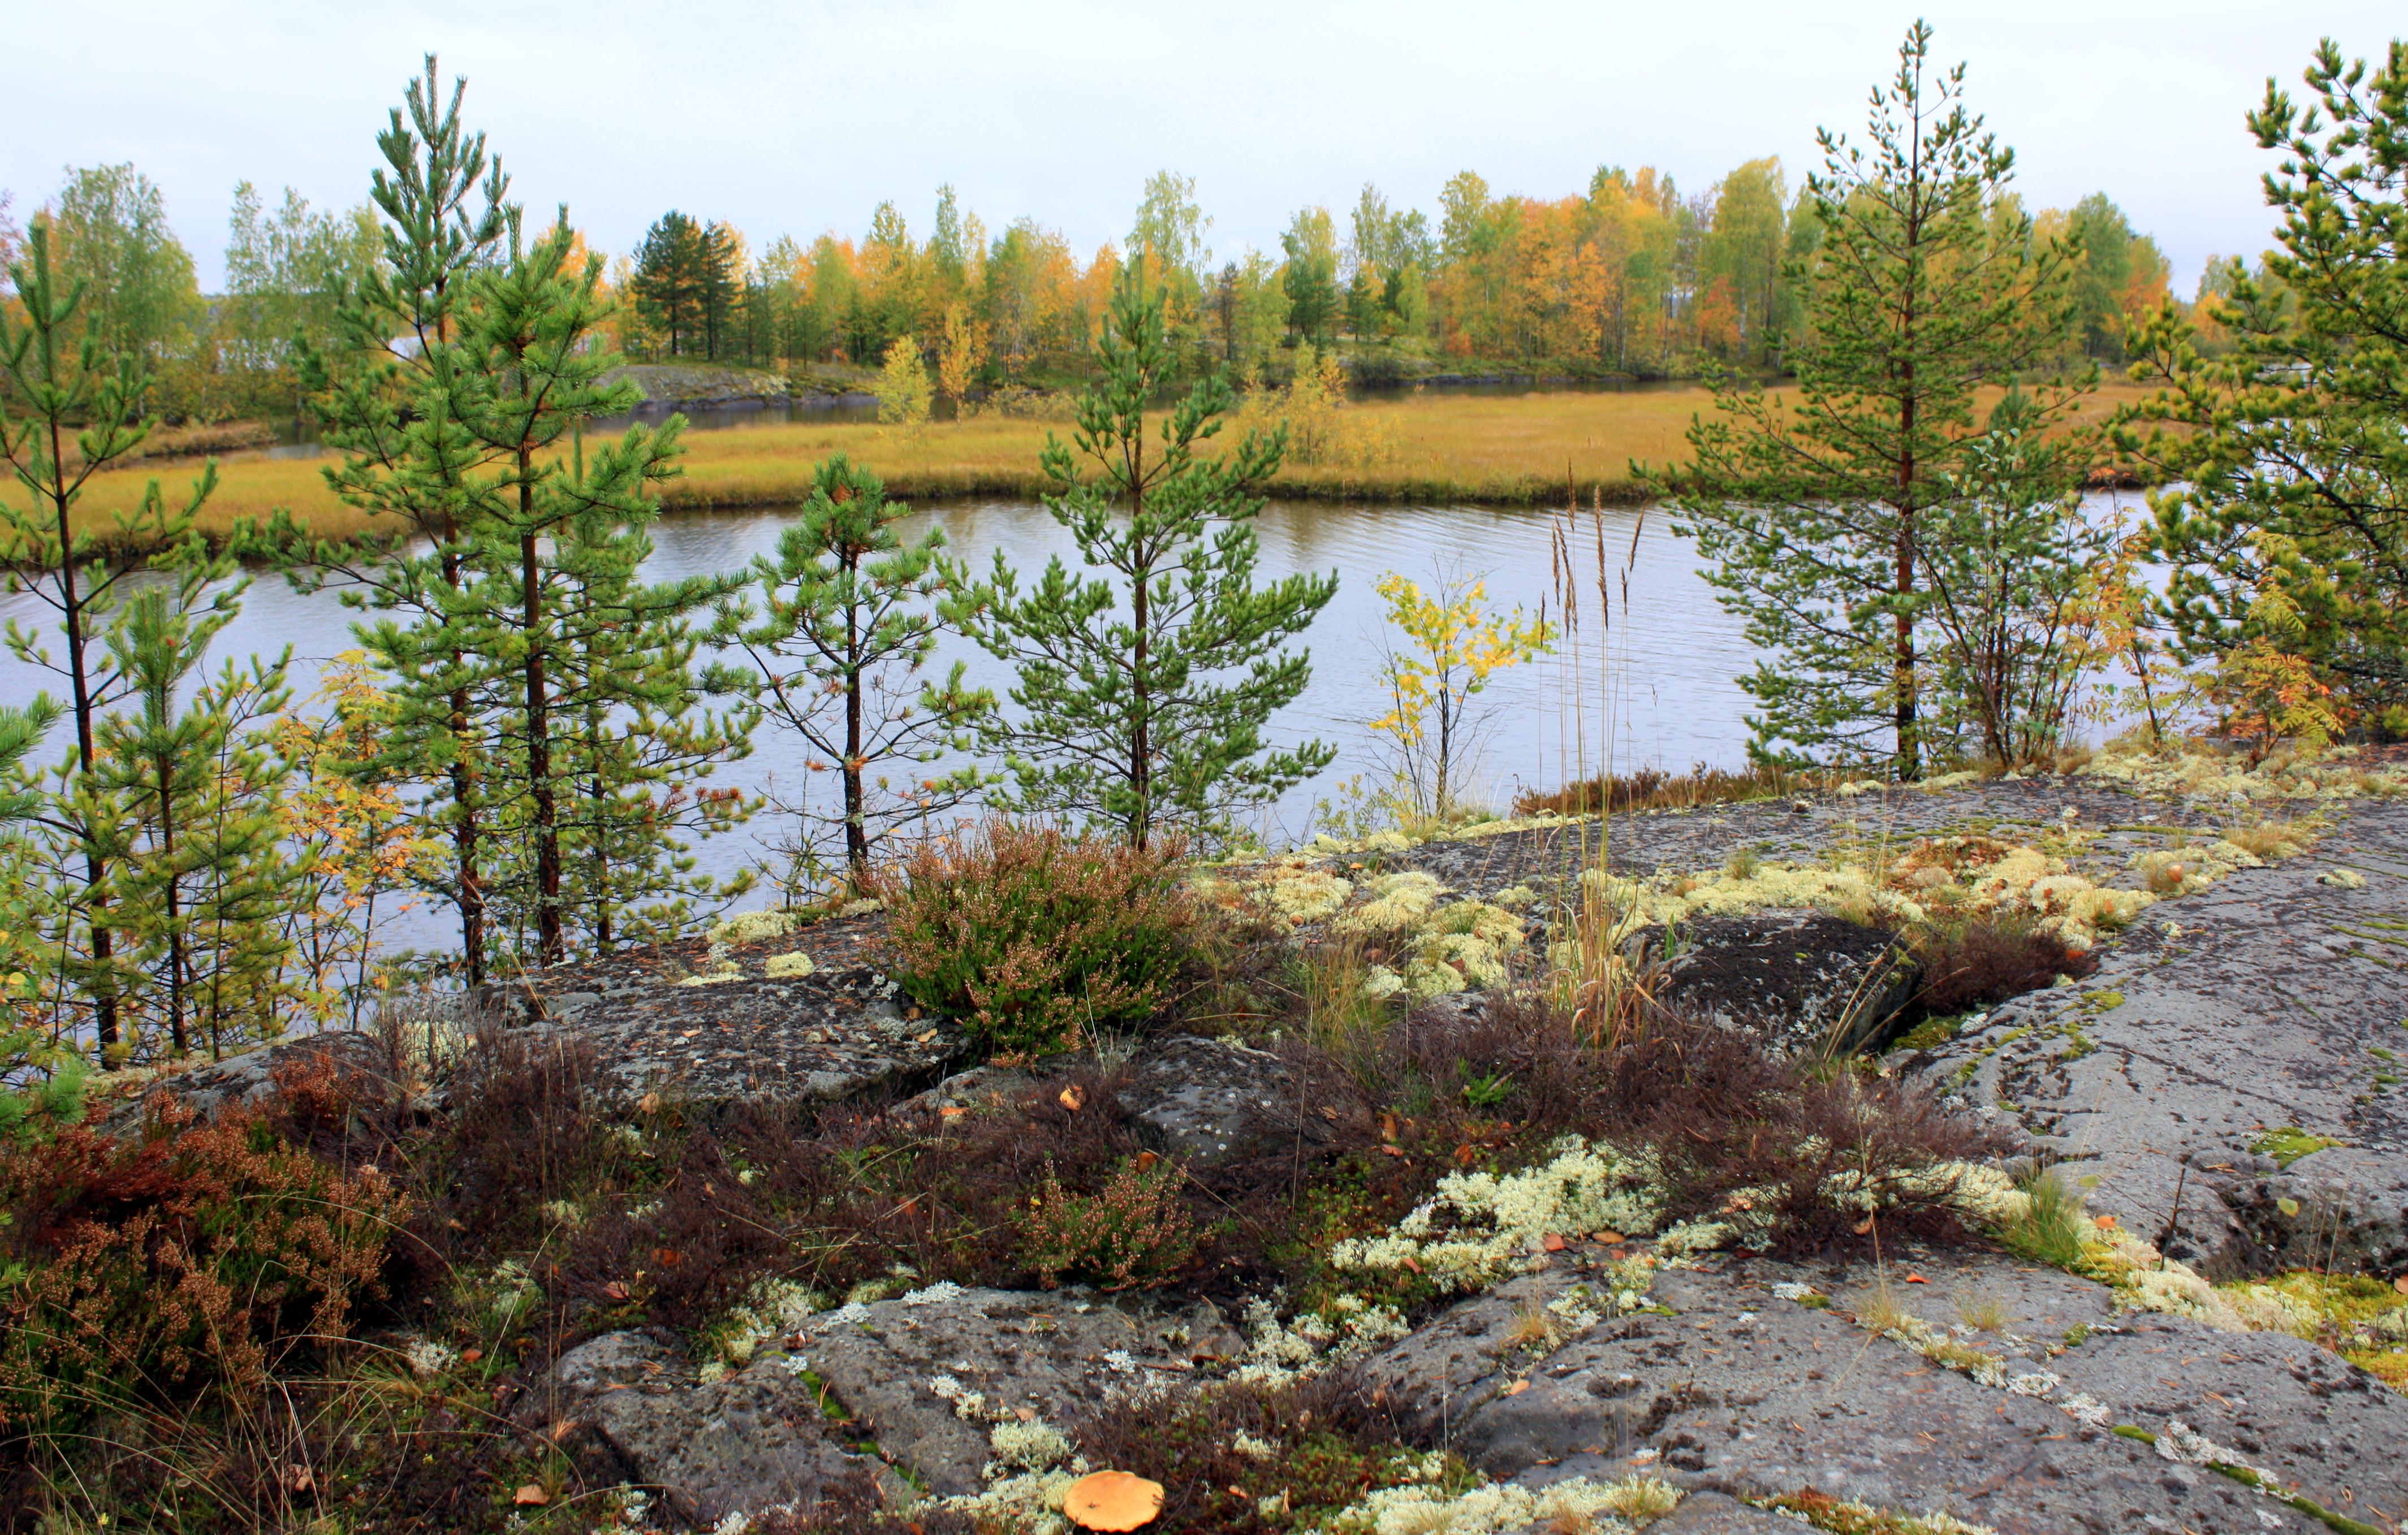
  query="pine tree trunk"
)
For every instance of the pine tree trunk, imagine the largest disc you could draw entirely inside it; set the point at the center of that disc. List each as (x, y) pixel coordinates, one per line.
(96, 868)
(466, 836)
(550, 943)
(1141, 674)
(857, 832)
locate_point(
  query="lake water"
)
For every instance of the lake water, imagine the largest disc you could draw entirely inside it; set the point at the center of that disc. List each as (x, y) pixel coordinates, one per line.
(1652, 686)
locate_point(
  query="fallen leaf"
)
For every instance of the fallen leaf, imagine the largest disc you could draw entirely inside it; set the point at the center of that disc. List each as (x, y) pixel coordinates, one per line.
(1917, 1279)
(1554, 1244)
(1025, 1414)
(1394, 1151)
(690, 1033)
(1329, 1113)
(2105, 1223)
(614, 1291)
(649, 1103)
(530, 1496)
(471, 1356)
(952, 1111)
(302, 1479)
(1073, 1100)
(668, 1257)
(1410, 1264)
(1235, 1491)
(1515, 1390)
(925, 1038)
(1111, 1501)
(1612, 1238)
(1145, 1160)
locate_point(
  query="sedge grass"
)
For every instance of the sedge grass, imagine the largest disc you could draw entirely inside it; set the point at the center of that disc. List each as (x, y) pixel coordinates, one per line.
(1439, 448)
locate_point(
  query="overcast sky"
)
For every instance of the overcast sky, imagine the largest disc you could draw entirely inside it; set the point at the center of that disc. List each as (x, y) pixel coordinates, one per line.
(793, 118)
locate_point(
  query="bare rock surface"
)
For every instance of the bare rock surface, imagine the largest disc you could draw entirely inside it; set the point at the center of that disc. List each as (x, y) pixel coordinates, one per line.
(1802, 981)
(750, 1442)
(747, 1021)
(2229, 1081)
(1742, 1393)
(1047, 1355)
(1209, 1101)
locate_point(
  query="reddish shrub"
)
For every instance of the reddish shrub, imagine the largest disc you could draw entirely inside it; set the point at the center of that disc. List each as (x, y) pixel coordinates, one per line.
(190, 1258)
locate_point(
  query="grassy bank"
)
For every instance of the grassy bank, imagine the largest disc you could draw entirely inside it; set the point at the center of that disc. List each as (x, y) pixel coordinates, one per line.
(1492, 450)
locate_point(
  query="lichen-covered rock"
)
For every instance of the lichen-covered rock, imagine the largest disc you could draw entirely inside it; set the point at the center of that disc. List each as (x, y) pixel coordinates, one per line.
(2230, 1074)
(934, 1374)
(1209, 1101)
(739, 1445)
(1765, 1379)
(1803, 981)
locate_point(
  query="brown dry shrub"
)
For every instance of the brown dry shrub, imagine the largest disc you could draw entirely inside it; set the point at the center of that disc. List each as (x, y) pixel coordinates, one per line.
(1031, 936)
(1653, 789)
(1984, 961)
(158, 1268)
(528, 1124)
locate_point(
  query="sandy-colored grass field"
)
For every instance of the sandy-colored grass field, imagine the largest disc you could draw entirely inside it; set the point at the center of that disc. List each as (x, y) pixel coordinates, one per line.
(1495, 449)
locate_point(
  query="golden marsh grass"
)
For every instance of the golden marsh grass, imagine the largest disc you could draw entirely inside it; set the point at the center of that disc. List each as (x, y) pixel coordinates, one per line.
(1438, 449)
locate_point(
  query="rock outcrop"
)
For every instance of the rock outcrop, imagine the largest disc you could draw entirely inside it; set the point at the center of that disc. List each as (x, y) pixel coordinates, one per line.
(1803, 981)
(2231, 1076)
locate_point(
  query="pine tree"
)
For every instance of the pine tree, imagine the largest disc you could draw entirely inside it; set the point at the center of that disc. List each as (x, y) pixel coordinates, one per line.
(1144, 689)
(627, 740)
(204, 883)
(848, 617)
(68, 412)
(523, 623)
(2289, 467)
(1825, 517)
(393, 409)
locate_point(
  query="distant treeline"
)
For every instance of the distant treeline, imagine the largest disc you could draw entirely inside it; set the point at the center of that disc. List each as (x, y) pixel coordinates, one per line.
(1631, 278)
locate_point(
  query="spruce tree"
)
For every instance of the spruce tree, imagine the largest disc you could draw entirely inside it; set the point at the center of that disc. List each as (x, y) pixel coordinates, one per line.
(672, 278)
(848, 617)
(1823, 516)
(1143, 688)
(2287, 522)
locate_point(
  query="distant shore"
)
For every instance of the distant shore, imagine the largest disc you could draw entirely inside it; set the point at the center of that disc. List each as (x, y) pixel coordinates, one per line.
(1528, 449)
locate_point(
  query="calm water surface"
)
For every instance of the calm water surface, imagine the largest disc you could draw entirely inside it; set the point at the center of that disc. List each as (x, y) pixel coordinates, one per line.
(1653, 686)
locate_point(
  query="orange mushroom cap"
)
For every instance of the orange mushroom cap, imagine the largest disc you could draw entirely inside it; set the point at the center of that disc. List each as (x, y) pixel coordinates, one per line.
(1111, 1501)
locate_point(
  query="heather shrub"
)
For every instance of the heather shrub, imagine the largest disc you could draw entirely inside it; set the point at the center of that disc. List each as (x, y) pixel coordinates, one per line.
(1033, 937)
(1133, 1234)
(1984, 961)
(161, 1266)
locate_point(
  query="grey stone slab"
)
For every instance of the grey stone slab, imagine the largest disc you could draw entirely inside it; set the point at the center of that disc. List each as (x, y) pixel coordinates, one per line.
(744, 1444)
(2273, 1000)
(1748, 1396)
(1052, 1355)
